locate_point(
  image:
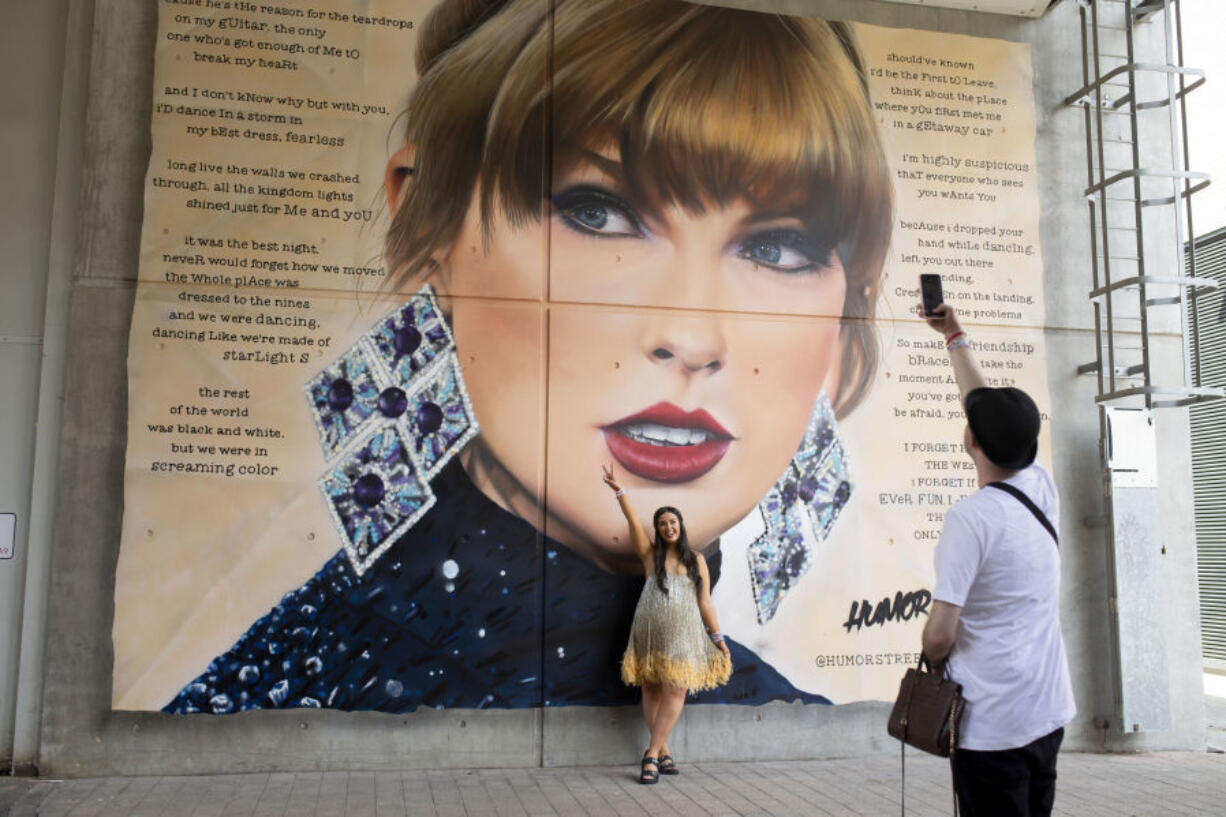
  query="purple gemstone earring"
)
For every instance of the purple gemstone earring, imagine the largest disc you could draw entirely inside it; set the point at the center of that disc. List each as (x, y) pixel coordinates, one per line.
(391, 412)
(799, 511)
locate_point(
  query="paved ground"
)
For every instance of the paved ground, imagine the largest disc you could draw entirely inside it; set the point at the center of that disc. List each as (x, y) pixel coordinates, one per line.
(1177, 783)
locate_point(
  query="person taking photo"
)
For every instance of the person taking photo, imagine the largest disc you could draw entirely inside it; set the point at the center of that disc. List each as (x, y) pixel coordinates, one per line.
(995, 616)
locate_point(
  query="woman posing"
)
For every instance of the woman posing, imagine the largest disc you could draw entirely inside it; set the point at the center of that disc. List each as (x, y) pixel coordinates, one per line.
(669, 653)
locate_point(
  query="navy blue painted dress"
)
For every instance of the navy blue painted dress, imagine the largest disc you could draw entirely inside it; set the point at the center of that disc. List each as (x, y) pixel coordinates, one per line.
(453, 615)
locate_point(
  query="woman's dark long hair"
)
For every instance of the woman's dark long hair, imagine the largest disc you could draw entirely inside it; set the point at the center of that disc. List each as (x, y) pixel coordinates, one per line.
(659, 549)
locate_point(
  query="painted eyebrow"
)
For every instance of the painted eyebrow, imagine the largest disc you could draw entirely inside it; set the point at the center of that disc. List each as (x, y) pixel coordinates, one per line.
(609, 167)
(767, 220)
(758, 215)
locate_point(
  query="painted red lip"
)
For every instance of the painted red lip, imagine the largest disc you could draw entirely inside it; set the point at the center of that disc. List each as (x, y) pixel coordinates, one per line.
(668, 463)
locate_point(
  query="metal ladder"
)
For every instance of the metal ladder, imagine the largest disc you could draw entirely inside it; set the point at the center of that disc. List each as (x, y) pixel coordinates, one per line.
(1123, 196)
(1140, 210)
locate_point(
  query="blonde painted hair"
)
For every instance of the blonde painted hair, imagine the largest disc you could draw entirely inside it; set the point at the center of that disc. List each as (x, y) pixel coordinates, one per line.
(704, 104)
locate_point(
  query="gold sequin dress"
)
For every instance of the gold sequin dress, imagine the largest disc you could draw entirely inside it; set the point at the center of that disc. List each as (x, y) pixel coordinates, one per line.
(668, 642)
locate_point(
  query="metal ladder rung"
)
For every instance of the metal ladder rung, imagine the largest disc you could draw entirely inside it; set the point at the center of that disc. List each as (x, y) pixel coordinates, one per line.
(1149, 280)
(1141, 172)
(1162, 103)
(1085, 91)
(1129, 372)
(1121, 372)
(1153, 103)
(1146, 8)
(1132, 330)
(1186, 401)
(1182, 393)
(1183, 194)
(1200, 292)
(1124, 318)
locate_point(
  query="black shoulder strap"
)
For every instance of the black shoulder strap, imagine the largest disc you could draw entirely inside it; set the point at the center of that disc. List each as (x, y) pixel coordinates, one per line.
(1025, 500)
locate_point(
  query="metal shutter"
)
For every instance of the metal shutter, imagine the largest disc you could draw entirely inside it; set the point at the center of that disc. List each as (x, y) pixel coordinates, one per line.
(1209, 453)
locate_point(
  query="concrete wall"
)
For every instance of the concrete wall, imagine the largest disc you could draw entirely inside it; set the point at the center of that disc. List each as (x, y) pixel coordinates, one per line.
(81, 736)
(34, 261)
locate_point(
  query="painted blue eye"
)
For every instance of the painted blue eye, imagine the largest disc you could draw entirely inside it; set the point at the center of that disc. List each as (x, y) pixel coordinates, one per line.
(596, 212)
(592, 216)
(785, 251)
(764, 251)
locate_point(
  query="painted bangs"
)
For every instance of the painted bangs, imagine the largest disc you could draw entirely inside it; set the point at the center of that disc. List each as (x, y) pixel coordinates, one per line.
(702, 106)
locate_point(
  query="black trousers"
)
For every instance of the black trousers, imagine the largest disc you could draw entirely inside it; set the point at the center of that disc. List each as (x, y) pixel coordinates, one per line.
(1009, 783)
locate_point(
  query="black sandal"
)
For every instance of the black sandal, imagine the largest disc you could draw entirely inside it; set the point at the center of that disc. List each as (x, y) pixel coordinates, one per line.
(667, 765)
(649, 776)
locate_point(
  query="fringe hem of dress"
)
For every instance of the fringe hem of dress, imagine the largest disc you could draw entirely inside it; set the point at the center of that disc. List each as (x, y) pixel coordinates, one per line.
(657, 668)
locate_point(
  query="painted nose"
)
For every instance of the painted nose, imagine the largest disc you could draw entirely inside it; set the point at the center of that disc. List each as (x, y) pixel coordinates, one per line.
(695, 345)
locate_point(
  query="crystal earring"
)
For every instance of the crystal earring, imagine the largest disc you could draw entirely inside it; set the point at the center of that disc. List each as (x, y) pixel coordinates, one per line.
(391, 412)
(799, 510)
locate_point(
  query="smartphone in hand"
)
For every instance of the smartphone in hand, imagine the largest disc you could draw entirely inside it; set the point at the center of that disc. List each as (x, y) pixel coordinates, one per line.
(930, 291)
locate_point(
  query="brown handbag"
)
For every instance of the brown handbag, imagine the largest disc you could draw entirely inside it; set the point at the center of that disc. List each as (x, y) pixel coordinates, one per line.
(928, 710)
(927, 715)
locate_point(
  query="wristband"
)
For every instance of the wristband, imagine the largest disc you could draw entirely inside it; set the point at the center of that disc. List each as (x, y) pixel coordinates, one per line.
(618, 492)
(954, 335)
(716, 636)
(961, 343)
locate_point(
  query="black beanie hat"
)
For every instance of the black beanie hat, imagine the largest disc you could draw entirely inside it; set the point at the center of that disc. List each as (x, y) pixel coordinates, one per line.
(1005, 423)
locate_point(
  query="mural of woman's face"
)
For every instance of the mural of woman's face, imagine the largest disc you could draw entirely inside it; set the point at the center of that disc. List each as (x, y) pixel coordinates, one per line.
(687, 347)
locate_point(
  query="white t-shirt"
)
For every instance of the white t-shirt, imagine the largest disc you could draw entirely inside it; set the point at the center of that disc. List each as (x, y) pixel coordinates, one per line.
(1001, 566)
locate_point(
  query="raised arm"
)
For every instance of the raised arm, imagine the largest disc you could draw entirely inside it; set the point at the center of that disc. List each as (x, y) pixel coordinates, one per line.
(966, 370)
(706, 607)
(638, 537)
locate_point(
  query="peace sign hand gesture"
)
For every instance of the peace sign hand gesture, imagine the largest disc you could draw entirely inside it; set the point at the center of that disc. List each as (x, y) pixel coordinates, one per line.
(609, 479)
